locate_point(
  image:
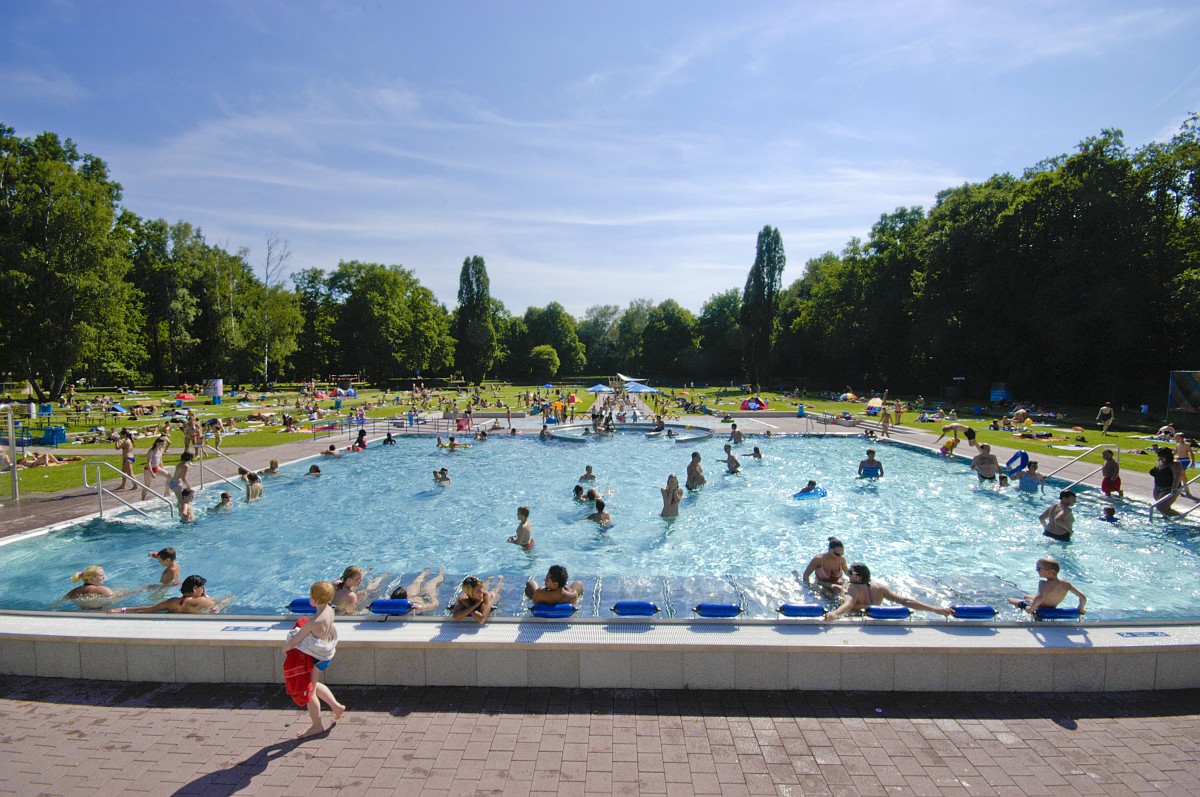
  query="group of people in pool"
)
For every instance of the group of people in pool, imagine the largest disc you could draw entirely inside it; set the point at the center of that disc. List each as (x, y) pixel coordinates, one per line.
(94, 593)
(857, 592)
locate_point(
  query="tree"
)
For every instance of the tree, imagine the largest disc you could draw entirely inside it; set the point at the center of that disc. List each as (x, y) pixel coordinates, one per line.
(317, 346)
(543, 363)
(720, 333)
(474, 329)
(669, 340)
(387, 322)
(760, 304)
(63, 264)
(598, 334)
(277, 320)
(552, 325)
(629, 335)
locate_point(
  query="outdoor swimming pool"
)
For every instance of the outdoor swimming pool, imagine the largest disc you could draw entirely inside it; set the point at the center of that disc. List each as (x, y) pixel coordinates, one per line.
(927, 529)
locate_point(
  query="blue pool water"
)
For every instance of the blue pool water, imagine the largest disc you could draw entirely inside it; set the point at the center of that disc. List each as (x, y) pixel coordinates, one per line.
(927, 529)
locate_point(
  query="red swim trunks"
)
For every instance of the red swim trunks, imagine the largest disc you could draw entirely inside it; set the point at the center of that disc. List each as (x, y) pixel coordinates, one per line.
(297, 672)
(1112, 485)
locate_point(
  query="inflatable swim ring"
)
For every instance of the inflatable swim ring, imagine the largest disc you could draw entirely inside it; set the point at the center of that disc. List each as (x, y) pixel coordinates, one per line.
(816, 492)
(1017, 463)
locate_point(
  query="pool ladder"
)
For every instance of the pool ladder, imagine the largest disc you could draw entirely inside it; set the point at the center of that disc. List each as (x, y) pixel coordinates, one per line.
(101, 490)
(222, 455)
(1113, 446)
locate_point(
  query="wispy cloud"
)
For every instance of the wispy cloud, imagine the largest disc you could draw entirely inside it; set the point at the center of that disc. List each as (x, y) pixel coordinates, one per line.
(46, 85)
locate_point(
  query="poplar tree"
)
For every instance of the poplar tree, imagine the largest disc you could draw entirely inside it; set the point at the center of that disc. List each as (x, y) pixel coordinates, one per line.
(476, 348)
(760, 300)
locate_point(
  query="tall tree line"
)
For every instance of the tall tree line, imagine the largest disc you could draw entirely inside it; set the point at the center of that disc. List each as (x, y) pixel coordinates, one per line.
(1078, 279)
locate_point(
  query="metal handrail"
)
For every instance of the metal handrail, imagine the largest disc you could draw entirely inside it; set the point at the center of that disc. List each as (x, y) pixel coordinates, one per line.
(1113, 446)
(1080, 481)
(12, 451)
(1175, 494)
(101, 489)
(226, 479)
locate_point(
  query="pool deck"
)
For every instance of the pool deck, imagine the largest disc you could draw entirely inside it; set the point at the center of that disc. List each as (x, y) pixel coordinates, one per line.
(69, 737)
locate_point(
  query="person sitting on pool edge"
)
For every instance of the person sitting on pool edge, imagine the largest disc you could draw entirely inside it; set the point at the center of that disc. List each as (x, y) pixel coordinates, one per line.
(870, 468)
(477, 600)
(1051, 589)
(555, 590)
(194, 600)
(861, 593)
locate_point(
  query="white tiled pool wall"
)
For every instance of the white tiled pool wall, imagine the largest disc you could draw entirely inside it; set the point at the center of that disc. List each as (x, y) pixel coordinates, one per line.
(631, 655)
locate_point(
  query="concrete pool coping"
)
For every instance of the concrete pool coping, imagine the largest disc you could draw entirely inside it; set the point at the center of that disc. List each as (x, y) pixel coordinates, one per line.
(747, 654)
(912, 656)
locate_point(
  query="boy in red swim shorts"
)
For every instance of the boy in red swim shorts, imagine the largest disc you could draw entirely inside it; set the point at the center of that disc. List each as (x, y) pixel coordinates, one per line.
(1111, 473)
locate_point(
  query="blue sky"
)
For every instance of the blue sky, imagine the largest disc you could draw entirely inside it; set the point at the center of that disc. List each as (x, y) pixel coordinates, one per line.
(592, 153)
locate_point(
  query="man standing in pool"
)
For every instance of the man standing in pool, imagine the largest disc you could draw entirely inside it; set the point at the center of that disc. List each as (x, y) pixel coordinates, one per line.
(870, 468)
(1058, 521)
(985, 464)
(555, 591)
(695, 473)
(735, 435)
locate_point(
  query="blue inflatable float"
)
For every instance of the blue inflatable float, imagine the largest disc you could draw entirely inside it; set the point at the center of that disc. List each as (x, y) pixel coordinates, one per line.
(302, 606)
(391, 606)
(816, 492)
(801, 610)
(635, 609)
(718, 610)
(553, 611)
(888, 612)
(974, 612)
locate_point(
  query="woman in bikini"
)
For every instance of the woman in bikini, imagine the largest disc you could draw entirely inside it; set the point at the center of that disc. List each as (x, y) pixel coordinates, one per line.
(125, 445)
(153, 467)
(829, 567)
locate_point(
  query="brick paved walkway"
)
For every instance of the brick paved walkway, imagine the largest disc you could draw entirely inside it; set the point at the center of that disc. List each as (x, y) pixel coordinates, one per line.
(62, 737)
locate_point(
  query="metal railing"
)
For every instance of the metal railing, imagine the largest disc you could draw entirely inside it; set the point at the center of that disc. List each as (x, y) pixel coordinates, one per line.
(1176, 494)
(101, 490)
(1079, 481)
(1070, 462)
(10, 428)
(222, 455)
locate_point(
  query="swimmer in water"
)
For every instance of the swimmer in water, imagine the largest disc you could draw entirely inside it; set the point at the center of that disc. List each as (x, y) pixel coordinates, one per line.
(442, 476)
(695, 473)
(187, 512)
(828, 567)
(225, 505)
(861, 593)
(421, 595)
(524, 535)
(1109, 515)
(92, 592)
(756, 454)
(870, 467)
(194, 600)
(731, 462)
(171, 571)
(672, 494)
(1051, 589)
(735, 435)
(577, 493)
(556, 590)
(477, 600)
(600, 515)
(808, 488)
(587, 476)
(313, 470)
